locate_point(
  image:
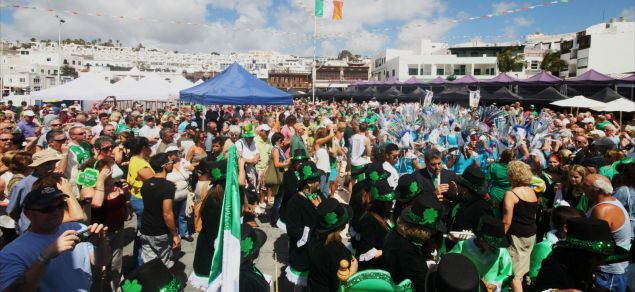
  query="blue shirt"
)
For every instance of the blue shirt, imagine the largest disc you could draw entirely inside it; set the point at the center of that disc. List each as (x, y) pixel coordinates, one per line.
(69, 271)
(19, 192)
(27, 129)
(185, 124)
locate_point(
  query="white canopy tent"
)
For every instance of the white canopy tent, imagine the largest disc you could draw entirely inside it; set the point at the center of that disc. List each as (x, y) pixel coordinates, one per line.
(123, 85)
(86, 87)
(150, 88)
(618, 105)
(179, 83)
(578, 102)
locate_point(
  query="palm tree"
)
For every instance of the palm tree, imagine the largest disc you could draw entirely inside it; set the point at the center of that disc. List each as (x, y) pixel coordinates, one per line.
(551, 62)
(507, 61)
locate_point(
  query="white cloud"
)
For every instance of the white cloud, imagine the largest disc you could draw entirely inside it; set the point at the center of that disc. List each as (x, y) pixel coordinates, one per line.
(523, 21)
(503, 6)
(628, 13)
(410, 36)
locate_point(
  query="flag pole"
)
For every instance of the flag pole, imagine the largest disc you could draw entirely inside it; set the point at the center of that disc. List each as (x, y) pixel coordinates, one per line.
(313, 69)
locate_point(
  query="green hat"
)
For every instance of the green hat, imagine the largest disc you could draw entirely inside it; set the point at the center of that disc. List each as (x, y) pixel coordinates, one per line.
(358, 172)
(299, 154)
(492, 231)
(308, 171)
(375, 281)
(218, 171)
(408, 188)
(332, 214)
(248, 130)
(381, 191)
(376, 172)
(199, 107)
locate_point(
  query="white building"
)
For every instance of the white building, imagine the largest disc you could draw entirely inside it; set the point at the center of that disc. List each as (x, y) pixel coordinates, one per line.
(608, 48)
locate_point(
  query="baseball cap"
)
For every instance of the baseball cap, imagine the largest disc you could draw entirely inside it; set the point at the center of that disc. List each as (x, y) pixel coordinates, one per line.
(29, 113)
(45, 156)
(263, 127)
(171, 148)
(42, 196)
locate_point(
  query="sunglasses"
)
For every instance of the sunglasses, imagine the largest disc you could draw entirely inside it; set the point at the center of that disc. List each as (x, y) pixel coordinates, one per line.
(107, 148)
(61, 140)
(55, 125)
(50, 209)
(6, 139)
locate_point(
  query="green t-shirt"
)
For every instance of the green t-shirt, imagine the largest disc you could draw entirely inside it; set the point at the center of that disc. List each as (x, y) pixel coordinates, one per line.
(495, 267)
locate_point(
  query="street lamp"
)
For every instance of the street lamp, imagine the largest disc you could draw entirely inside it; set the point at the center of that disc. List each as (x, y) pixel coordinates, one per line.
(59, 48)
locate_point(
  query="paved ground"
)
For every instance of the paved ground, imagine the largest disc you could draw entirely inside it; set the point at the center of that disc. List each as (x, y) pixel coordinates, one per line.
(273, 255)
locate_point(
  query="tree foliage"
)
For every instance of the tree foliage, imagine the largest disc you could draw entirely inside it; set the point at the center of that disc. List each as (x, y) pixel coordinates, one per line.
(68, 71)
(347, 55)
(551, 62)
(507, 61)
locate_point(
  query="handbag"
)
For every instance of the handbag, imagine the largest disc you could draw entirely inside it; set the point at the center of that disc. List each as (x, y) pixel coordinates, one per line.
(273, 176)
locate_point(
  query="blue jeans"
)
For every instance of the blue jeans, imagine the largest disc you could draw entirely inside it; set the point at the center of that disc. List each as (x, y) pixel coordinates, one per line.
(180, 218)
(137, 207)
(612, 282)
(324, 185)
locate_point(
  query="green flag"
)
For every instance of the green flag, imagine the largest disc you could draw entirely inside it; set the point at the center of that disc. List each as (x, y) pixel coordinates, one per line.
(225, 270)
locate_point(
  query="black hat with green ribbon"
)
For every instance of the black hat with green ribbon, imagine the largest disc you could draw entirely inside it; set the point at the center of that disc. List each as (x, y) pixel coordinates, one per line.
(592, 235)
(426, 211)
(151, 276)
(251, 240)
(358, 172)
(299, 154)
(218, 171)
(375, 280)
(409, 187)
(382, 192)
(332, 215)
(376, 172)
(474, 180)
(308, 171)
(492, 231)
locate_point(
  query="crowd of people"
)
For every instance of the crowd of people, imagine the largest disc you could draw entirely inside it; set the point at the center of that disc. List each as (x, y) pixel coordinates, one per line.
(405, 196)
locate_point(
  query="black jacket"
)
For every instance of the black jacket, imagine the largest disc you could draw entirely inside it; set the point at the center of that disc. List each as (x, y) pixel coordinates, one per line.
(405, 260)
(447, 176)
(251, 279)
(300, 213)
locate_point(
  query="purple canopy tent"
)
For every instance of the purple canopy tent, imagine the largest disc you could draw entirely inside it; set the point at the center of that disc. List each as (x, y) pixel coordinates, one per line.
(467, 79)
(372, 81)
(391, 81)
(502, 78)
(543, 77)
(629, 79)
(412, 80)
(591, 76)
(358, 82)
(438, 80)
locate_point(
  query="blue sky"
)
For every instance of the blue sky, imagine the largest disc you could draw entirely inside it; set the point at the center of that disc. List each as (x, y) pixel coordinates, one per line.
(286, 25)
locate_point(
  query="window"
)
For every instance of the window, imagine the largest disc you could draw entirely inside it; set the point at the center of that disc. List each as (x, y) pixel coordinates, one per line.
(477, 71)
(413, 71)
(65, 62)
(440, 71)
(393, 72)
(473, 54)
(534, 65)
(583, 63)
(54, 72)
(48, 59)
(22, 80)
(36, 80)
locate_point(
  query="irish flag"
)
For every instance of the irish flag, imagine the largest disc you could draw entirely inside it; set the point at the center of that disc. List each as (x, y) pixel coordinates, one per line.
(329, 9)
(226, 261)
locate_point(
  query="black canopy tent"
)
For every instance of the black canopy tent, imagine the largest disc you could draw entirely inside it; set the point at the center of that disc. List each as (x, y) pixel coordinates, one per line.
(502, 95)
(606, 95)
(544, 97)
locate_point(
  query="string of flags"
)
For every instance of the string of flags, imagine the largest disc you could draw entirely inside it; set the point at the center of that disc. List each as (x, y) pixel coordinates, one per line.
(326, 9)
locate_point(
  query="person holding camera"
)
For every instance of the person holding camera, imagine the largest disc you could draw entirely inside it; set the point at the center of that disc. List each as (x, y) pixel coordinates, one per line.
(51, 255)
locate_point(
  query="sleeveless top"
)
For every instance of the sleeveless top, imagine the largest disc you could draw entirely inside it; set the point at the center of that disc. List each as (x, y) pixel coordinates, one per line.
(622, 237)
(322, 159)
(524, 218)
(358, 150)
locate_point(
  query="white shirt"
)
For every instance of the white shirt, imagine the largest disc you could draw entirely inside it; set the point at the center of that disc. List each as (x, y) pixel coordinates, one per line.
(358, 150)
(148, 132)
(246, 151)
(393, 179)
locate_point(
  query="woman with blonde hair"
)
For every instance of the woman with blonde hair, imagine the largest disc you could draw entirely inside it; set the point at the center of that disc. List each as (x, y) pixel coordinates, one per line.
(571, 188)
(520, 205)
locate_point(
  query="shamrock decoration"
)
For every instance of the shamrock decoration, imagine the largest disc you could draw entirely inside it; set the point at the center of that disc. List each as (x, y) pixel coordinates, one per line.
(312, 196)
(246, 245)
(374, 176)
(216, 174)
(414, 188)
(307, 171)
(133, 286)
(430, 215)
(330, 218)
(88, 177)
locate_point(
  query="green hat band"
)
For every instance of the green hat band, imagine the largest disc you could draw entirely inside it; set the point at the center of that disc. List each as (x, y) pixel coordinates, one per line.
(376, 196)
(376, 278)
(133, 286)
(494, 241)
(429, 217)
(468, 184)
(603, 247)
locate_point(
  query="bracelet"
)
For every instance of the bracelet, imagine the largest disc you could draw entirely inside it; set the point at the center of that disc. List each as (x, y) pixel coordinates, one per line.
(41, 258)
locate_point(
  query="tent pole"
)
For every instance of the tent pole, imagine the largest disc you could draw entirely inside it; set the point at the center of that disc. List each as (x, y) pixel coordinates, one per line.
(314, 69)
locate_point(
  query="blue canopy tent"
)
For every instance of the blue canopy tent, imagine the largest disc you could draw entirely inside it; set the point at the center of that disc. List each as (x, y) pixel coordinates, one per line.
(235, 86)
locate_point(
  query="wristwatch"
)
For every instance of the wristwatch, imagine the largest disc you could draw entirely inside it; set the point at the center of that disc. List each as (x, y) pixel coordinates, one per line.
(43, 259)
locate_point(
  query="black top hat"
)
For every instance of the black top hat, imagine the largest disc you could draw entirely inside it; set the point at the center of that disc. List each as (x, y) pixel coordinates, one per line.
(376, 172)
(591, 235)
(308, 171)
(425, 211)
(381, 191)
(218, 171)
(332, 214)
(151, 276)
(473, 179)
(299, 154)
(492, 231)
(251, 240)
(410, 187)
(455, 273)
